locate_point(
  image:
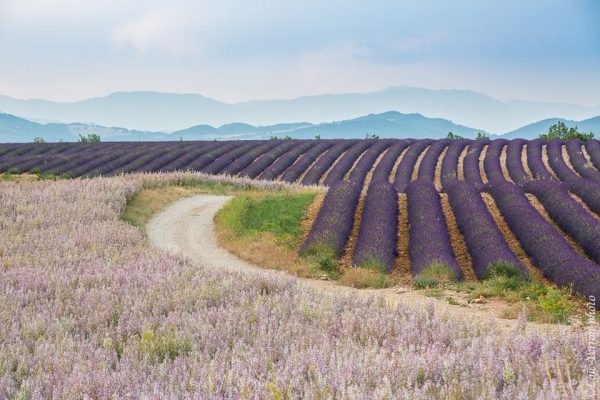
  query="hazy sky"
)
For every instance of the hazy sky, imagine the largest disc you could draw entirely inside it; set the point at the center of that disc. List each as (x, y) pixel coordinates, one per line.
(236, 50)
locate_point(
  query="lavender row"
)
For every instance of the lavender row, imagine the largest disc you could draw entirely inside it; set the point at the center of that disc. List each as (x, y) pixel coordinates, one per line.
(377, 236)
(319, 168)
(534, 160)
(430, 160)
(514, 161)
(346, 161)
(593, 149)
(386, 164)
(588, 191)
(334, 222)
(471, 163)
(485, 243)
(264, 161)
(249, 157)
(199, 163)
(429, 243)
(449, 173)
(285, 161)
(569, 215)
(169, 157)
(407, 165)
(579, 162)
(224, 160)
(557, 163)
(305, 161)
(491, 163)
(549, 251)
(365, 164)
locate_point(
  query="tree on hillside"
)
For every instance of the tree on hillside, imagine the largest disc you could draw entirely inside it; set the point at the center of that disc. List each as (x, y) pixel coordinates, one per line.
(453, 136)
(371, 136)
(482, 136)
(39, 140)
(563, 132)
(89, 138)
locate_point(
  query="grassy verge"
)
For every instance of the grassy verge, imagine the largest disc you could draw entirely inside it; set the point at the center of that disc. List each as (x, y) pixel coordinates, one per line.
(16, 177)
(268, 228)
(540, 301)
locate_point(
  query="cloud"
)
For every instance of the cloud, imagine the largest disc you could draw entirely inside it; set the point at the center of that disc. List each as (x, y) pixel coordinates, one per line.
(163, 32)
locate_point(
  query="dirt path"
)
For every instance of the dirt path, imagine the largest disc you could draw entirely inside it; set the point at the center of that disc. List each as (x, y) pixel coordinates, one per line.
(186, 228)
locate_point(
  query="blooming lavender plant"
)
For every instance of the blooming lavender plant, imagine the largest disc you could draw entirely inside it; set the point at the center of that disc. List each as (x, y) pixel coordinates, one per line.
(485, 242)
(322, 165)
(303, 162)
(386, 164)
(365, 164)
(491, 163)
(592, 147)
(405, 168)
(449, 173)
(471, 163)
(346, 161)
(579, 162)
(569, 215)
(247, 158)
(557, 163)
(279, 166)
(430, 160)
(549, 251)
(239, 149)
(429, 241)
(588, 191)
(534, 160)
(335, 220)
(258, 165)
(377, 235)
(514, 162)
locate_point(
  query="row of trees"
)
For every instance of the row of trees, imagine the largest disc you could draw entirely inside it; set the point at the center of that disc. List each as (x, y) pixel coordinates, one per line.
(89, 138)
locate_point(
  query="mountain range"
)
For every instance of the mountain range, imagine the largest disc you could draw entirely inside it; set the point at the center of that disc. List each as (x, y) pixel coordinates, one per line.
(391, 124)
(168, 112)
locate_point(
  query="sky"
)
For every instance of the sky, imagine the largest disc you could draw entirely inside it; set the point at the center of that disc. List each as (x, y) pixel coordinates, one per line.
(237, 50)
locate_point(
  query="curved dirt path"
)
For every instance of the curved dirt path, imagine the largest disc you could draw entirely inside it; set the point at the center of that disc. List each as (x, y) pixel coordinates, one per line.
(186, 228)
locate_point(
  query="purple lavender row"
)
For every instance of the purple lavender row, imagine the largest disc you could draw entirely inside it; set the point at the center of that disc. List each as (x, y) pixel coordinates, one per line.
(569, 215)
(286, 160)
(486, 244)
(592, 147)
(407, 165)
(305, 160)
(588, 191)
(248, 158)
(377, 236)
(145, 158)
(199, 162)
(365, 164)
(264, 161)
(222, 161)
(491, 163)
(534, 159)
(181, 150)
(111, 166)
(449, 174)
(319, 168)
(430, 160)
(182, 162)
(345, 163)
(471, 163)
(386, 164)
(579, 162)
(514, 162)
(549, 251)
(429, 243)
(76, 160)
(557, 163)
(335, 219)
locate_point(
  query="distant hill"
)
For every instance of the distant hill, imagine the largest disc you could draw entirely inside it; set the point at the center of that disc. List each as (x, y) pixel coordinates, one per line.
(390, 124)
(167, 112)
(532, 131)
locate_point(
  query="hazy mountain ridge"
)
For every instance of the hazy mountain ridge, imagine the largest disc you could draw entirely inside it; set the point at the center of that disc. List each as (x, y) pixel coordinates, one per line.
(153, 111)
(390, 124)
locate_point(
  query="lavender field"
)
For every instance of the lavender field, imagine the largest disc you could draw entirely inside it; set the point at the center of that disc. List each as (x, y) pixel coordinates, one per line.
(88, 310)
